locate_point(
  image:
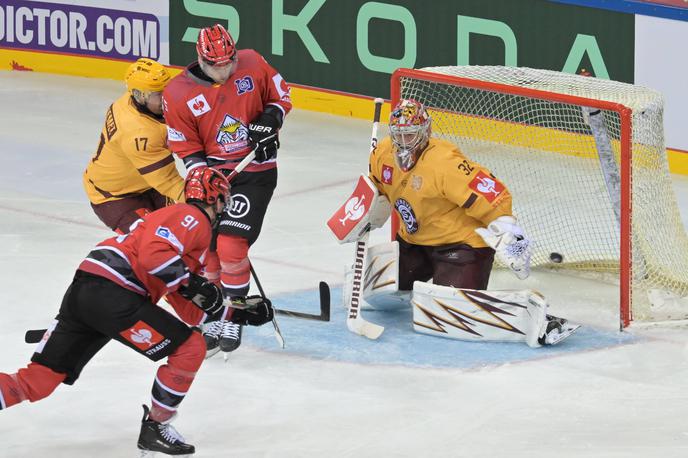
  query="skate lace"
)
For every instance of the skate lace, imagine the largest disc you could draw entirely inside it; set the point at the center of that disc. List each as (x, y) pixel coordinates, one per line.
(171, 435)
(213, 329)
(230, 330)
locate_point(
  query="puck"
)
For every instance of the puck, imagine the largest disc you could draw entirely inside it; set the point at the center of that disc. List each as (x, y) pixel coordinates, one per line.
(556, 258)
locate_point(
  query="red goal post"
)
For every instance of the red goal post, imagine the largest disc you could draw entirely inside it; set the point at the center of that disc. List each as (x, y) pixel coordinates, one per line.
(580, 132)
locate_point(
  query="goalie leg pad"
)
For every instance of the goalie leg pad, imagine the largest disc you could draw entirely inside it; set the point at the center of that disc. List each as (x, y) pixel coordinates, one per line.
(477, 315)
(380, 279)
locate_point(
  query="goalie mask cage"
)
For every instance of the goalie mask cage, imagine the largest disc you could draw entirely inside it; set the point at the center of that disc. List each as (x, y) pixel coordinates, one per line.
(585, 161)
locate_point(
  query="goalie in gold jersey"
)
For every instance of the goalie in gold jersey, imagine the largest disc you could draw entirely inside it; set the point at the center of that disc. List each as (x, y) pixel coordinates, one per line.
(456, 217)
(133, 172)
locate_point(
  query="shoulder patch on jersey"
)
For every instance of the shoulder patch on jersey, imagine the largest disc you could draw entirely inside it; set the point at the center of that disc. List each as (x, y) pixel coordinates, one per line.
(110, 124)
(244, 85)
(174, 135)
(166, 233)
(487, 186)
(407, 215)
(387, 174)
(198, 105)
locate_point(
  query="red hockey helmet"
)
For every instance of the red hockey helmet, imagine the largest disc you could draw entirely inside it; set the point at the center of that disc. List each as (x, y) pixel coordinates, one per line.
(216, 46)
(206, 185)
(409, 127)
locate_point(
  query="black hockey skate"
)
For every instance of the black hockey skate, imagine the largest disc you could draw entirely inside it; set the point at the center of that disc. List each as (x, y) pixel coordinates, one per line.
(161, 437)
(557, 330)
(230, 336)
(211, 335)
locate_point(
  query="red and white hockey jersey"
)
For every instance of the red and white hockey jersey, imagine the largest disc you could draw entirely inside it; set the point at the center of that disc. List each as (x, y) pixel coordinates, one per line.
(155, 258)
(214, 118)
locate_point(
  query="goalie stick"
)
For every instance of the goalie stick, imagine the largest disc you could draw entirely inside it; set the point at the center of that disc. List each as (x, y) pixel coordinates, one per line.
(354, 320)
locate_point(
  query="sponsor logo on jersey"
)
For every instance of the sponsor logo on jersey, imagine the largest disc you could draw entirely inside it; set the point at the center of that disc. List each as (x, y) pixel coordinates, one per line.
(174, 135)
(244, 85)
(282, 88)
(487, 186)
(407, 215)
(167, 234)
(240, 206)
(416, 182)
(110, 124)
(198, 105)
(232, 135)
(142, 335)
(387, 174)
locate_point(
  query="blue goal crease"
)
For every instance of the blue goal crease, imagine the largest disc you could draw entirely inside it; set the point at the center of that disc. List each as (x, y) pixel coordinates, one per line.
(399, 345)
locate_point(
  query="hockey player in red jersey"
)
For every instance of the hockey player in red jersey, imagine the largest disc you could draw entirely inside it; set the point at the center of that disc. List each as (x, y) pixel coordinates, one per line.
(223, 106)
(114, 295)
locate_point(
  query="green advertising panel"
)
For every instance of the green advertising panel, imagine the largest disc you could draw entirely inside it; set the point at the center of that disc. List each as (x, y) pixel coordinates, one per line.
(355, 45)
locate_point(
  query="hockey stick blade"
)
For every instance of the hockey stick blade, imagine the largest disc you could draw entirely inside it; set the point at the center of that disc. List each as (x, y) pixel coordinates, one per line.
(364, 328)
(33, 336)
(324, 307)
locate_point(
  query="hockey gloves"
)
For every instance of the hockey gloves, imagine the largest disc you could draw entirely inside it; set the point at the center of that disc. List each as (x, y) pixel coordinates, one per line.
(511, 245)
(204, 294)
(262, 134)
(258, 312)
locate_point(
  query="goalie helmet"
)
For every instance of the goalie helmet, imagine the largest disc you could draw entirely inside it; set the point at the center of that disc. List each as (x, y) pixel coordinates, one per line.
(409, 127)
(206, 186)
(146, 75)
(216, 46)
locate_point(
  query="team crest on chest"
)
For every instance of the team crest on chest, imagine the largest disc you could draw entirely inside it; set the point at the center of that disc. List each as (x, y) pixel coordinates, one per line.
(232, 135)
(244, 85)
(407, 215)
(387, 174)
(198, 105)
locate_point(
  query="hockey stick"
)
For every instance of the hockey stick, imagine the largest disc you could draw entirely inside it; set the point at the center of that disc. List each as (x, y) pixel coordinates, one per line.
(324, 307)
(354, 320)
(33, 336)
(278, 333)
(242, 165)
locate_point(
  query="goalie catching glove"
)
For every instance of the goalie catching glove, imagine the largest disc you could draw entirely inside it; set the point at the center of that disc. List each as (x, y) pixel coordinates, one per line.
(204, 294)
(511, 246)
(262, 134)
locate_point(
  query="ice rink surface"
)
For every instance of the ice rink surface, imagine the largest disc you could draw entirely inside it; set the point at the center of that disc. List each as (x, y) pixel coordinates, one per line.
(329, 393)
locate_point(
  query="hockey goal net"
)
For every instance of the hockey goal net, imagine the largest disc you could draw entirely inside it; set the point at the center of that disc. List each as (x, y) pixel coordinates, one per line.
(585, 161)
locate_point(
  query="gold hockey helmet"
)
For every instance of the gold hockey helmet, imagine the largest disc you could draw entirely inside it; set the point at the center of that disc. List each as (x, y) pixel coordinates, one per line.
(146, 75)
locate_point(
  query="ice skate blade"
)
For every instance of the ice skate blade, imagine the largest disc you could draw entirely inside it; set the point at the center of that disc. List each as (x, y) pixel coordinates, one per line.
(152, 454)
(212, 352)
(564, 334)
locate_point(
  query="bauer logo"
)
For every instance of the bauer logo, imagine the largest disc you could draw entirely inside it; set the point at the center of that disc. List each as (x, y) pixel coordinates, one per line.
(486, 186)
(174, 135)
(142, 335)
(198, 105)
(76, 29)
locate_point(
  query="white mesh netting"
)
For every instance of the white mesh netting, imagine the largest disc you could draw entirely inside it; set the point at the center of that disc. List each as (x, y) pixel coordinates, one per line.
(562, 167)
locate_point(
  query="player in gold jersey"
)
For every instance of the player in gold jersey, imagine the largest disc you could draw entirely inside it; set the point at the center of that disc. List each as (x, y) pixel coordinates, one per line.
(442, 198)
(133, 172)
(456, 217)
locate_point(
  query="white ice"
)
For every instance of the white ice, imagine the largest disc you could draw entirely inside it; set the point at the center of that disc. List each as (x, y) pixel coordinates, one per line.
(623, 401)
